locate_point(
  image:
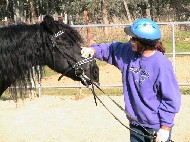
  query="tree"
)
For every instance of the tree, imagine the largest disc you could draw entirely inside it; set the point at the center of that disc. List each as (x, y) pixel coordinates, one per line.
(126, 2)
(99, 11)
(104, 12)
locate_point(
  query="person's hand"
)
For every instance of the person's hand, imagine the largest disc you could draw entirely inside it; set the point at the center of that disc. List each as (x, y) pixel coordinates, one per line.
(87, 52)
(162, 135)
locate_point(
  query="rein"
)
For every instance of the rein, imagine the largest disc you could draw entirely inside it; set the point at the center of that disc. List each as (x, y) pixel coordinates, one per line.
(75, 65)
(150, 135)
(80, 73)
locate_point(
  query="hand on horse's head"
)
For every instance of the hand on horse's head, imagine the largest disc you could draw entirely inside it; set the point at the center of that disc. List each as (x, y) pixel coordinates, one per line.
(87, 52)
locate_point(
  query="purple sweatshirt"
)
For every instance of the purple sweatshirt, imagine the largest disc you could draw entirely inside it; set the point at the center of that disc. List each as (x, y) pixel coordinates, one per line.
(151, 92)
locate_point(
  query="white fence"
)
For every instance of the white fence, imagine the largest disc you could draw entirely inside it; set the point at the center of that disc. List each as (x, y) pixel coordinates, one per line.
(173, 53)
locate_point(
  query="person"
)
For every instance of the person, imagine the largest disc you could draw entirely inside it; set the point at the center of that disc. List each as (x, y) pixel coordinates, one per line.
(151, 91)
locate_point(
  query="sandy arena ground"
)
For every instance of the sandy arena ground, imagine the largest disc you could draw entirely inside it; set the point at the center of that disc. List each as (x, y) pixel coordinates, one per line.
(67, 119)
(64, 119)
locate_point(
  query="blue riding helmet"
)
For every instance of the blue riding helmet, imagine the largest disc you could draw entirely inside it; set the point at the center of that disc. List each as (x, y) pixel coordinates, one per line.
(144, 29)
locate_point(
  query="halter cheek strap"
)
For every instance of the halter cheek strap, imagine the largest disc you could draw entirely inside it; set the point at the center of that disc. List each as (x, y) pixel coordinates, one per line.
(77, 66)
(58, 33)
(72, 62)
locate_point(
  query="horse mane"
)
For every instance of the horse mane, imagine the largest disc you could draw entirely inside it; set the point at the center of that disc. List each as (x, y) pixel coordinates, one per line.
(18, 54)
(22, 48)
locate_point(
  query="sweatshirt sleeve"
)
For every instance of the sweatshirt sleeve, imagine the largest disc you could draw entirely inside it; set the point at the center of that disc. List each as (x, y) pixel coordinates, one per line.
(113, 53)
(103, 51)
(170, 96)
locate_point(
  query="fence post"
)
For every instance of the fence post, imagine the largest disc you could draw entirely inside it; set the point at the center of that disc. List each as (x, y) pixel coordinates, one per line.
(39, 82)
(173, 47)
(88, 28)
(5, 21)
(65, 18)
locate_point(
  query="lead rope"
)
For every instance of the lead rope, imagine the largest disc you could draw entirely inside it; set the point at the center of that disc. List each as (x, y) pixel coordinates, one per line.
(132, 118)
(92, 90)
(150, 136)
(84, 78)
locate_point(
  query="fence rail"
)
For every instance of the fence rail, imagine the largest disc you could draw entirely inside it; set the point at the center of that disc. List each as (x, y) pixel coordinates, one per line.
(173, 53)
(101, 86)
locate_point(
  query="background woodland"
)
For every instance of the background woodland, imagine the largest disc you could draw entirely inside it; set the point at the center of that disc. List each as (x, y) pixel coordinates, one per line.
(99, 11)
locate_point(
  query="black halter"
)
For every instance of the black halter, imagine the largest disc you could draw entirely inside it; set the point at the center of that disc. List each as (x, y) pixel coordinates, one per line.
(76, 66)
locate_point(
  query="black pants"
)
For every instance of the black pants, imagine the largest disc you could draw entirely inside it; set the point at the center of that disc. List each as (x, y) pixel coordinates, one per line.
(134, 137)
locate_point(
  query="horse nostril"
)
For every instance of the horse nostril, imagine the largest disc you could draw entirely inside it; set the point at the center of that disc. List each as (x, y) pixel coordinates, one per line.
(96, 74)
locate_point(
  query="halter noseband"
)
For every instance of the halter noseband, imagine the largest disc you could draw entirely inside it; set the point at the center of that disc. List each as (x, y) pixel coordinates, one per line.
(77, 66)
(80, 73)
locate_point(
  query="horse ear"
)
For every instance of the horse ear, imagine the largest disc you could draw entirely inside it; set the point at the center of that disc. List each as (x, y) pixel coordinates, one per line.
(48, 23)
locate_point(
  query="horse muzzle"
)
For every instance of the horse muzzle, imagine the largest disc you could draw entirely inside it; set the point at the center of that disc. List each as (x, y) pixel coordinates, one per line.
(95, 74)
(85, 70)
(90, 77)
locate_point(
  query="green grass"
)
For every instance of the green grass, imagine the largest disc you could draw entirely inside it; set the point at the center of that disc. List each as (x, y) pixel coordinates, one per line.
(185, 90)
(71, 92)
(108, 91)
(181, 42)
(84, 91)
(182, 34)
(5, 97)
(48, 72)
(100, 63)
(180, 46)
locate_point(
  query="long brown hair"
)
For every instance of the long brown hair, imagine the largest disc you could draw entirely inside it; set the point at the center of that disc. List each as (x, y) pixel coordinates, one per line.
(156, 46)
(159, 46)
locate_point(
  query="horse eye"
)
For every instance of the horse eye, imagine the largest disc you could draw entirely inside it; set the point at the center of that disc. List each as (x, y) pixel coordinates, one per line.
(67, 46)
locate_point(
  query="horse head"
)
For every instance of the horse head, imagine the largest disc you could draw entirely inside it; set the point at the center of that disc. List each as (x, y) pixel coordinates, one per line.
(64, 56)
(25, 49)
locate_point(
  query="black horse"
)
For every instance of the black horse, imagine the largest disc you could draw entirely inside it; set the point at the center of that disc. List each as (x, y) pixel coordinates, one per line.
(52, 43)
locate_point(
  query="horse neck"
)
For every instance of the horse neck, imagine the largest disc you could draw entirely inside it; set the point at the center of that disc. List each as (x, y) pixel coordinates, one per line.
(21, 48)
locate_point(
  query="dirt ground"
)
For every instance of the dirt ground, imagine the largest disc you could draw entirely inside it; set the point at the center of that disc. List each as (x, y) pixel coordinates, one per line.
(64, 119)
(67, 119)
